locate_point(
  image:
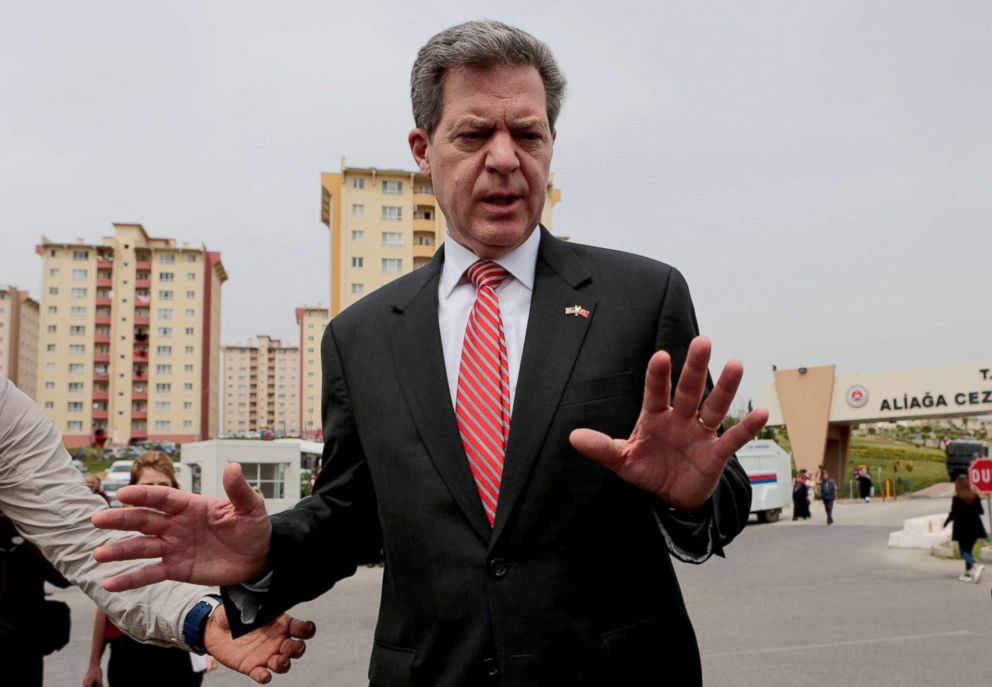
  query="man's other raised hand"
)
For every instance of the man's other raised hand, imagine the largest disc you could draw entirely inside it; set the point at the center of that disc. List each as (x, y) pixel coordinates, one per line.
(199, 539)
(674, 451)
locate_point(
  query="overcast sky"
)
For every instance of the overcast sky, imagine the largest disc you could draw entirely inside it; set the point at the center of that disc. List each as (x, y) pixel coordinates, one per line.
(819, 171)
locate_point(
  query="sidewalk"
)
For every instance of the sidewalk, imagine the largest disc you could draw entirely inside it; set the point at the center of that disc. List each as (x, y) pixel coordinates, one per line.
(943, 490)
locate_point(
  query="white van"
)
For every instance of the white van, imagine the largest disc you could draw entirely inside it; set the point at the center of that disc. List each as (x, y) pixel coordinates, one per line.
(770, 470)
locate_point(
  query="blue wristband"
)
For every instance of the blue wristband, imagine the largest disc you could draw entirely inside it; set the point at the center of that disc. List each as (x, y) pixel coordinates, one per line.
(195, 624)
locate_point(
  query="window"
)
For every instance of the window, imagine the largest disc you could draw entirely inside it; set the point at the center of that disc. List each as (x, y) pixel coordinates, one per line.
(190, 312)
(187, 424)
(358, 182)
(188, 386)
(188, 349)
(50, 367)
(357, 209)
(188, 368)
(54, 309)
(167, 258)
(165, 313)
(79, 275)
(52, 328)
(165, 295)
(163, 406)
(53, 272)
(392, 188)
(76, 368)
(49, 386)
(53, 291)
(163, 387)
(79, 293)
(77, 330)
(392, 239)
(358, 262)
(75, 406)
(49, 405)
(77, 349)
(77, 311)
(268, 477)
(189, 331)
(191, 276)
(392, 265)
(165, 331)
(357, 235)
(163, 369)
(357, 289)
(74, 426)
(163, 350)
(392, 213)
(191, 294)
(55, 253)
(163, 425)
(75, 387)
(187, 405)
(190, 258)
(165, 276)
(80, 255)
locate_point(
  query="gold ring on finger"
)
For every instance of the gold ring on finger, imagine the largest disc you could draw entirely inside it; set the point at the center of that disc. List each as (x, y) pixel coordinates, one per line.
(708, 428)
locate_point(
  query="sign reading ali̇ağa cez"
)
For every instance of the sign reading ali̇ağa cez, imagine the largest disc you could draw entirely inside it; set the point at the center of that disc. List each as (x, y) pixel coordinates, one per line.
(951, 391)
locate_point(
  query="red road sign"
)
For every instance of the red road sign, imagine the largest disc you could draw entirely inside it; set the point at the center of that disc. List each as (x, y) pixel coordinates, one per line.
(980, 475)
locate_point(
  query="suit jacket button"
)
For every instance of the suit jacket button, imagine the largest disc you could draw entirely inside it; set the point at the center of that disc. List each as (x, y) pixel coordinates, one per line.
(498, 568)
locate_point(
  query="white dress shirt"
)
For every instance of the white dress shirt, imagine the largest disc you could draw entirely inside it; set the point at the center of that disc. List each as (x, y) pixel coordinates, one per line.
(456, 296)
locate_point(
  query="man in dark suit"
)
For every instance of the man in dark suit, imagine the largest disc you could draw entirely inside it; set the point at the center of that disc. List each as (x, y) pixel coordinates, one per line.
(471, 411)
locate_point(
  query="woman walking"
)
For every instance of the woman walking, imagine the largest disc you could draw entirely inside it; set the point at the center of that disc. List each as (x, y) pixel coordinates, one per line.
(828, 492)
(966, 513)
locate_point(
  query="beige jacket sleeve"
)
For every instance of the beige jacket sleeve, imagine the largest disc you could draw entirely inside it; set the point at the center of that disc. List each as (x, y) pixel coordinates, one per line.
(44, 495)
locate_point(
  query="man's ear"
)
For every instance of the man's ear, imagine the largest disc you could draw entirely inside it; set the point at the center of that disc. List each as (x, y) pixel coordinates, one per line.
(420, 143)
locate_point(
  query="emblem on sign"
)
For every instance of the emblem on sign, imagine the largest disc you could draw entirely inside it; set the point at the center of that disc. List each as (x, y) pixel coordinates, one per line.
(857, 396)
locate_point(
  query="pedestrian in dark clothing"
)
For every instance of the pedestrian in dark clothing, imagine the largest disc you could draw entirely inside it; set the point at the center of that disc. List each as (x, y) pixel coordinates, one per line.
(864, 483)
(828, 492)
(966, 514)
(800, 496)
(26, 634)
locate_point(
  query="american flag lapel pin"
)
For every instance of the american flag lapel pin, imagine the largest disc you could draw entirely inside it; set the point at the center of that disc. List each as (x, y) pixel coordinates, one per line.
(577, 311)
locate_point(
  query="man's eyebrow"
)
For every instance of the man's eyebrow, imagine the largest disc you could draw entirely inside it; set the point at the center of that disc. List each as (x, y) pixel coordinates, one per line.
(528, 123)
(472, 121)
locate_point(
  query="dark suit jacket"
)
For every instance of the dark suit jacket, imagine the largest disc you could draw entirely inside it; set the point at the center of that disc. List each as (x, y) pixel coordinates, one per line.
(573, 584)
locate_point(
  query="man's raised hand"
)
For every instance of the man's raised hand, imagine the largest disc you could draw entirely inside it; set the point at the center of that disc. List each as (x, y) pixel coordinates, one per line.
(199, 539)
(261, 652)
(674, 451)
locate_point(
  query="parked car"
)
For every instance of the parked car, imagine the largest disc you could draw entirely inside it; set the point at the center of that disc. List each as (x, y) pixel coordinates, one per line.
(118, 476)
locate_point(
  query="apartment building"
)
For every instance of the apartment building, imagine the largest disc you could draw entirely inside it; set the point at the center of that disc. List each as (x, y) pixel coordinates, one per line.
(383, 223)
(261, 388)
(19, 339)
(312, 321)
(129, 339)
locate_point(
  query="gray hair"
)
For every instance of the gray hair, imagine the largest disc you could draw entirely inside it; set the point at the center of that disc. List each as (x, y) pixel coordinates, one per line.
(479, 45)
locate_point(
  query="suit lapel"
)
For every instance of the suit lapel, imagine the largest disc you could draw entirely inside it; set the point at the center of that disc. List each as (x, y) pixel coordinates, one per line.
(419, 362)
(552, 343)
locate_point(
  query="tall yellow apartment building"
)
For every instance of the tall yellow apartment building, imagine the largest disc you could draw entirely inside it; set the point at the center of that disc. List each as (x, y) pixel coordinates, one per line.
(383, 223)
(19, 339)
(129, 339)
(261, 387)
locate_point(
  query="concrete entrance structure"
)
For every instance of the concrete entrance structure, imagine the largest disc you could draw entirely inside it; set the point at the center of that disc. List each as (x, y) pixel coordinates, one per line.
(819, 407)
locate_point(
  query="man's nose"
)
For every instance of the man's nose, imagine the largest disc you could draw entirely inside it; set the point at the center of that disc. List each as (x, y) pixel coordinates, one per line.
(501, 154)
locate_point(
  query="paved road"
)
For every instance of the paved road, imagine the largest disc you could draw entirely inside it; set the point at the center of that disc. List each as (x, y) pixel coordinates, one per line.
(795, 603)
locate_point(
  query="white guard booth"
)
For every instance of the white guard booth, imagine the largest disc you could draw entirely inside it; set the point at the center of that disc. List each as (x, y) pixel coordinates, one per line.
(273, 467)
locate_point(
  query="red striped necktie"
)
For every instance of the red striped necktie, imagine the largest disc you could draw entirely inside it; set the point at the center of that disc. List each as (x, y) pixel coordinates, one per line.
(482, 406)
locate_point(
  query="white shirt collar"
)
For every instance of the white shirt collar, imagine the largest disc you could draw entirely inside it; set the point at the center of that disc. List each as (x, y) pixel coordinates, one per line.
(520, 262)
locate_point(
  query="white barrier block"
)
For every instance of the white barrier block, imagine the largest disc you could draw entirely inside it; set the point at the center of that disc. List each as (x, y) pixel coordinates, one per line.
(921, 533)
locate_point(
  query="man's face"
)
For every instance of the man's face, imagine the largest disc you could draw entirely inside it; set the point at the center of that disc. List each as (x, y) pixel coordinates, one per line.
(490, 156)
(92, 481)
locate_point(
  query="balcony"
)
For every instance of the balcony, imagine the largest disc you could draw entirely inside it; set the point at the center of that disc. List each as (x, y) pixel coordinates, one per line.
(104, 301)
(141, 353)
(145, 265)
(104, 283)
(423, 225)
(102, 319)
(100, 414)
(139, 432)
(142, 283)
(424, 199)
(139, 414)
(100, 373)
(101, 357)
(101, 395)
(423, 251)
(140, 374)
(102, 339)
(102, 264)
(143, 320)
(139, 395)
